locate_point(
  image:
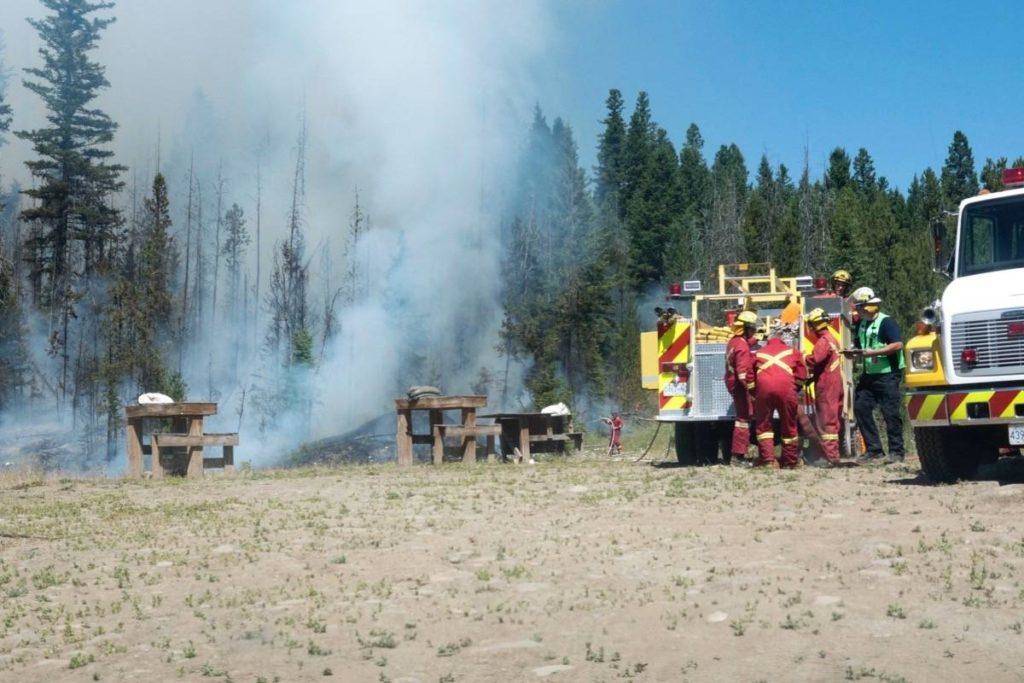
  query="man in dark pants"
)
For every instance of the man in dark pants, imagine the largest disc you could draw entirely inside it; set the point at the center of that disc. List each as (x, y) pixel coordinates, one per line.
(878, 342)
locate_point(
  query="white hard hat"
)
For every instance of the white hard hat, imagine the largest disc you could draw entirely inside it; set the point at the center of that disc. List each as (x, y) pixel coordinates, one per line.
(864, 295)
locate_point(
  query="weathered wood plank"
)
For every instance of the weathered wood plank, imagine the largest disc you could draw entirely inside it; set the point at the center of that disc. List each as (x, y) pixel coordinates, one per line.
(171, 410)
(460, 431)
(436, 418)
(441, 402)
(404, 438)
(524, 441)
(469, 438)
(191, 440)
(229, 459)
(156, 468)
(195, 453)
(134, 432)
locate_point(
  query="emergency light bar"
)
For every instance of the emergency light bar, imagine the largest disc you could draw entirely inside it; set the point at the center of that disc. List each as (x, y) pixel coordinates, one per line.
(692, 286)
(1013, 177)
(804, 283)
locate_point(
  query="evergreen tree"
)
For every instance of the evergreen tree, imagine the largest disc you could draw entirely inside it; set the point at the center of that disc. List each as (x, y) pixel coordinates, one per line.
(610, 151)
(158, 269)
(838, 174)
(992, 174)
(236, 239)
(685, 246)
(651, 209)
(14, 358)
(958, 177)
(638, 147)
(727, 204)
(864, 172)
(73, 222)
(761, 215)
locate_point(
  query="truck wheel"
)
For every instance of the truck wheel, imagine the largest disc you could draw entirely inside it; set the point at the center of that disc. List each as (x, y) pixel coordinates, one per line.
(686, 443)
(707, 443)
(945, 457)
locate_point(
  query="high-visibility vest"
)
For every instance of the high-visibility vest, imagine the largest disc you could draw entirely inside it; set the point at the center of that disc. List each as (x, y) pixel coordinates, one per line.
(867, 335)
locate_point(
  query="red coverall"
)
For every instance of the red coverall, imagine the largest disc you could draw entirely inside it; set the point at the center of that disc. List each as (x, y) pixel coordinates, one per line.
(825, 365)
(739, 368)
(615, 438)
(779, 371)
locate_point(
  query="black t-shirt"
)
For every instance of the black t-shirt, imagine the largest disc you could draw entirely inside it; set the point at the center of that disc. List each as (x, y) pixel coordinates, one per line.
(888, 332)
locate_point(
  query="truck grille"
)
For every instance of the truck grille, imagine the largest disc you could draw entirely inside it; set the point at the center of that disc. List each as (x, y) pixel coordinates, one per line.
(999, 349)
(711, 399)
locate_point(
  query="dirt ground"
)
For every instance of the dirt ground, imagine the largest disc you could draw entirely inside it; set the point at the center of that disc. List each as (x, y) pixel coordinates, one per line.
(577, 570)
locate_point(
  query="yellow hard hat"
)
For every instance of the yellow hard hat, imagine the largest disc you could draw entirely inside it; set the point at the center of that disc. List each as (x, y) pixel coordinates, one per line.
(842, 276)
(817, 317)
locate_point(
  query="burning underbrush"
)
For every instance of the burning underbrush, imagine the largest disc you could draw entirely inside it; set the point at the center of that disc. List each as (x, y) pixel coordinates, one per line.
(373, 441)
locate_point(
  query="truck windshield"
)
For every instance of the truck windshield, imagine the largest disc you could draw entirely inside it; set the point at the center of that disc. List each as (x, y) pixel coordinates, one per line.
(992, 236)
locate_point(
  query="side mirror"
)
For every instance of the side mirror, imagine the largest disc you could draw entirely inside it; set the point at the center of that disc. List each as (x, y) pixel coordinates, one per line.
(941, 263)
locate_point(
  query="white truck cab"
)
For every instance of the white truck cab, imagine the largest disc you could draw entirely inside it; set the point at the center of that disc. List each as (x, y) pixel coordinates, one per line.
(965, 367)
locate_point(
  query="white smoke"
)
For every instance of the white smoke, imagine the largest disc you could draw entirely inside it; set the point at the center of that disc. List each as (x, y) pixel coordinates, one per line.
(422, 106)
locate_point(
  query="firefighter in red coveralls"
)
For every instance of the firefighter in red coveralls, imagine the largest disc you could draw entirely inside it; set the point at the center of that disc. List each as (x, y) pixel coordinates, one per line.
(824, 365)
(779, 375)
(739, 368)
(615, 437)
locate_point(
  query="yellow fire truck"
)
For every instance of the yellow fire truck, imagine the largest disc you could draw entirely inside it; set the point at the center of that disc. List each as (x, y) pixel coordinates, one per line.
(683, 359)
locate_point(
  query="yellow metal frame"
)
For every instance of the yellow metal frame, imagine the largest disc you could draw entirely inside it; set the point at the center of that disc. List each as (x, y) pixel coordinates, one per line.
(754, 283)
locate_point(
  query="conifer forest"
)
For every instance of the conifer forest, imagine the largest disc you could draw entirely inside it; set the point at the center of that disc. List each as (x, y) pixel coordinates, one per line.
(209, 273)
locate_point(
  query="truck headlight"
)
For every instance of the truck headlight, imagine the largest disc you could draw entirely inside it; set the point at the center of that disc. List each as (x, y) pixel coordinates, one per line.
(922, 360)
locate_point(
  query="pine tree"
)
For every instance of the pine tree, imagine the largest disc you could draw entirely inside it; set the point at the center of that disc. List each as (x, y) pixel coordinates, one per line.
(959, 180)
(992, 174)
(761, 216)
(864, 172)
(838, 174)
(73, 222)
(158, 260)
(610, 151)
(14, 358)
(639, 139)
(236, 239)
(728, 200)
(685, 251)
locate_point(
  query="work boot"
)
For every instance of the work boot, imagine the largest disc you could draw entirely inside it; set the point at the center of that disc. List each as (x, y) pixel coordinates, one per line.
(895, 459)
(871, 459)
(772, 464)
(824, 463)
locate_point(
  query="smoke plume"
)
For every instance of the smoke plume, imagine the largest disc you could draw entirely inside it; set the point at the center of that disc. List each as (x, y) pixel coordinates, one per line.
(418, 105)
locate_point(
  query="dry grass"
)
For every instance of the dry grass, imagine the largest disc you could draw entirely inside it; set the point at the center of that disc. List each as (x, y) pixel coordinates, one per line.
(580, 570)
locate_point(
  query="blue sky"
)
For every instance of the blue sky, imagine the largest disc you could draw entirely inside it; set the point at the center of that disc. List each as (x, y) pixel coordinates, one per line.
(896, 78)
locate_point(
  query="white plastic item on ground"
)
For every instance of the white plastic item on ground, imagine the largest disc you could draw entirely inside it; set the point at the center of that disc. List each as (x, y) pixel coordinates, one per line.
(556, 409)
(153, 397)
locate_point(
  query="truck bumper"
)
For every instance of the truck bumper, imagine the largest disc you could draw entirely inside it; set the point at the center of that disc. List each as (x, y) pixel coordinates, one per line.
(963, 406)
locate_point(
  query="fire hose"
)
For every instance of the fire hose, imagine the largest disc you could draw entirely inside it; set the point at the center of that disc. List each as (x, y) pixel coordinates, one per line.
(653, 439)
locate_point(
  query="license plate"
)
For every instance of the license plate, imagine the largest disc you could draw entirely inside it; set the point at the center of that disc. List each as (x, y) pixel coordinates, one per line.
(674, 389)
(1017, 435)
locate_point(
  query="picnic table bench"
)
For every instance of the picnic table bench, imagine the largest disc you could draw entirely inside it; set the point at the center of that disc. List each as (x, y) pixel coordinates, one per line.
(181, 450)
(535, 433)
(466, 429)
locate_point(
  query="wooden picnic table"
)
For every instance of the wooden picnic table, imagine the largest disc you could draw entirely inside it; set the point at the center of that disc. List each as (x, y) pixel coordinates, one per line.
(466, 429)
(535, 432)
(187, 425)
